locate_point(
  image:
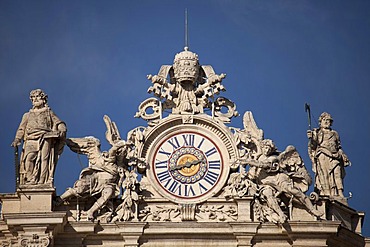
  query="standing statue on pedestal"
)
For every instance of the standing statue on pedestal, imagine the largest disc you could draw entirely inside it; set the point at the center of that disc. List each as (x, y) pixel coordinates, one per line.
(43, 135)
(328, 158)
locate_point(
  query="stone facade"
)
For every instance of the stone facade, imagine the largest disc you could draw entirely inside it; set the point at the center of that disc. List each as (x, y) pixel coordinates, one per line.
(186, 179)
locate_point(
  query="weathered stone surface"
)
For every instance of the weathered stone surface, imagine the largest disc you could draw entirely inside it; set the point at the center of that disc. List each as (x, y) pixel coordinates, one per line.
(186, 179)
(43, 135)
(328, 159)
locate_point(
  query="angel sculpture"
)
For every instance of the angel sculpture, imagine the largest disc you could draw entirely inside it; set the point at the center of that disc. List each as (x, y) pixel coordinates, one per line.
(247, 141)
(248, 138)
(279, 176)
(106, 170)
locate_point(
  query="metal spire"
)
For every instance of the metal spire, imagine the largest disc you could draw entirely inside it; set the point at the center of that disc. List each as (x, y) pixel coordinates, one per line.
(186, 31)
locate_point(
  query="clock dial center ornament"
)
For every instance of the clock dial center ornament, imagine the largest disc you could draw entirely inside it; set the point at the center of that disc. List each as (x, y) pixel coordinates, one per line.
(188, 164)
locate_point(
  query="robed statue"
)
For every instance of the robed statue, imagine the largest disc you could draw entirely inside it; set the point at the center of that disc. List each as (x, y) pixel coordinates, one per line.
(43, 135)
(328, 158)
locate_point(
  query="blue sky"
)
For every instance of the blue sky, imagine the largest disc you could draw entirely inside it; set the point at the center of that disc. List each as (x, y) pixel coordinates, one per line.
(92, 58)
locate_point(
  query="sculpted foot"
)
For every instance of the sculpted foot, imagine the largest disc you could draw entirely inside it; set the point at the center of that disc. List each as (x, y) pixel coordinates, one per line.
(58, 201)
(316, 213)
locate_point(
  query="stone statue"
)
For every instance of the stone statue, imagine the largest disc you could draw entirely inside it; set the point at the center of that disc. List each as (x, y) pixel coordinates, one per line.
(248, 138)
(328, 158)
(100, 177)
(43, 135)
(107, 170)
(276, 175)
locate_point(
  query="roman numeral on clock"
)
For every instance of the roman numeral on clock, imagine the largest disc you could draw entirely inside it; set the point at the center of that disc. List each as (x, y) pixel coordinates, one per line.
(174, 186)
(162, 151)
(202, 188)
(214, 164)
(174, 142)
(188, 139)
(161, 164)
(200, 143)
(188, 189)
(211, 151)
(211, 177)
(163, 176)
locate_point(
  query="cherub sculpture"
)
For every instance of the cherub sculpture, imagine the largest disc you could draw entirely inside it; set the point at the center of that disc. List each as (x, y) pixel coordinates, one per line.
(273, 177)
(247, 141)
(279, 175)
(106, 171)
(248, 138)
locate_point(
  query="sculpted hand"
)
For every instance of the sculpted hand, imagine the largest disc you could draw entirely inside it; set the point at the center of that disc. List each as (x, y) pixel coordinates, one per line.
(346, 160)
(309, 134)
(58, 133)
(62, 134)
(16, 142)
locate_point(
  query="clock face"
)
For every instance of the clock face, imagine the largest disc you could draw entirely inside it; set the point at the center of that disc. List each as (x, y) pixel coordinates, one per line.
(187, 166)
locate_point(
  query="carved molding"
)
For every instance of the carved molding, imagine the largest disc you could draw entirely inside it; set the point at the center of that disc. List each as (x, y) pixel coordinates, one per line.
(217, 213)
(35, 241)
(160, 213)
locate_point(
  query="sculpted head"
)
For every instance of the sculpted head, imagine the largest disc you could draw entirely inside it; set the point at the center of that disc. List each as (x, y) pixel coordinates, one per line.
(186, 66)
(38, 98)
(325, 120)
(291, 156)
(268, 147)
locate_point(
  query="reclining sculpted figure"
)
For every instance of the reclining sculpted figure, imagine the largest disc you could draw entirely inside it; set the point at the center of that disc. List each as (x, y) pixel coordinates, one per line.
(279, 174)
(105, 171)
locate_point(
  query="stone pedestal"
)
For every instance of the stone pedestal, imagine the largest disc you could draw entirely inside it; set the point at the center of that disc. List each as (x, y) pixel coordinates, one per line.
(28, 199)
(245, 212)
(29, 217)
(349, 218)
(36, 199)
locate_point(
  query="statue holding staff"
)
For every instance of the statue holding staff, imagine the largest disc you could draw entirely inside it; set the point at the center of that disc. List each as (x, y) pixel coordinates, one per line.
(43, 135)
(328, 158)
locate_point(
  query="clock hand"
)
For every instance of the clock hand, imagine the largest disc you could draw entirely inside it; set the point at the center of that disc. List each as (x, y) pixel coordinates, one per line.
(187, 165)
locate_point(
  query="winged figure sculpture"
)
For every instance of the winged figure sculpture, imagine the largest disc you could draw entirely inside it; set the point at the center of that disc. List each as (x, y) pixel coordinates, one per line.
(105, 171)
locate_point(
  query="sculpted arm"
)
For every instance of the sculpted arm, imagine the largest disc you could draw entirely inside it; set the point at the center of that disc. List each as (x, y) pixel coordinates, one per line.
(258, 163)
(58, 125)
(341, 152)
(313, 144)
(312, 136)
(20, 131)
